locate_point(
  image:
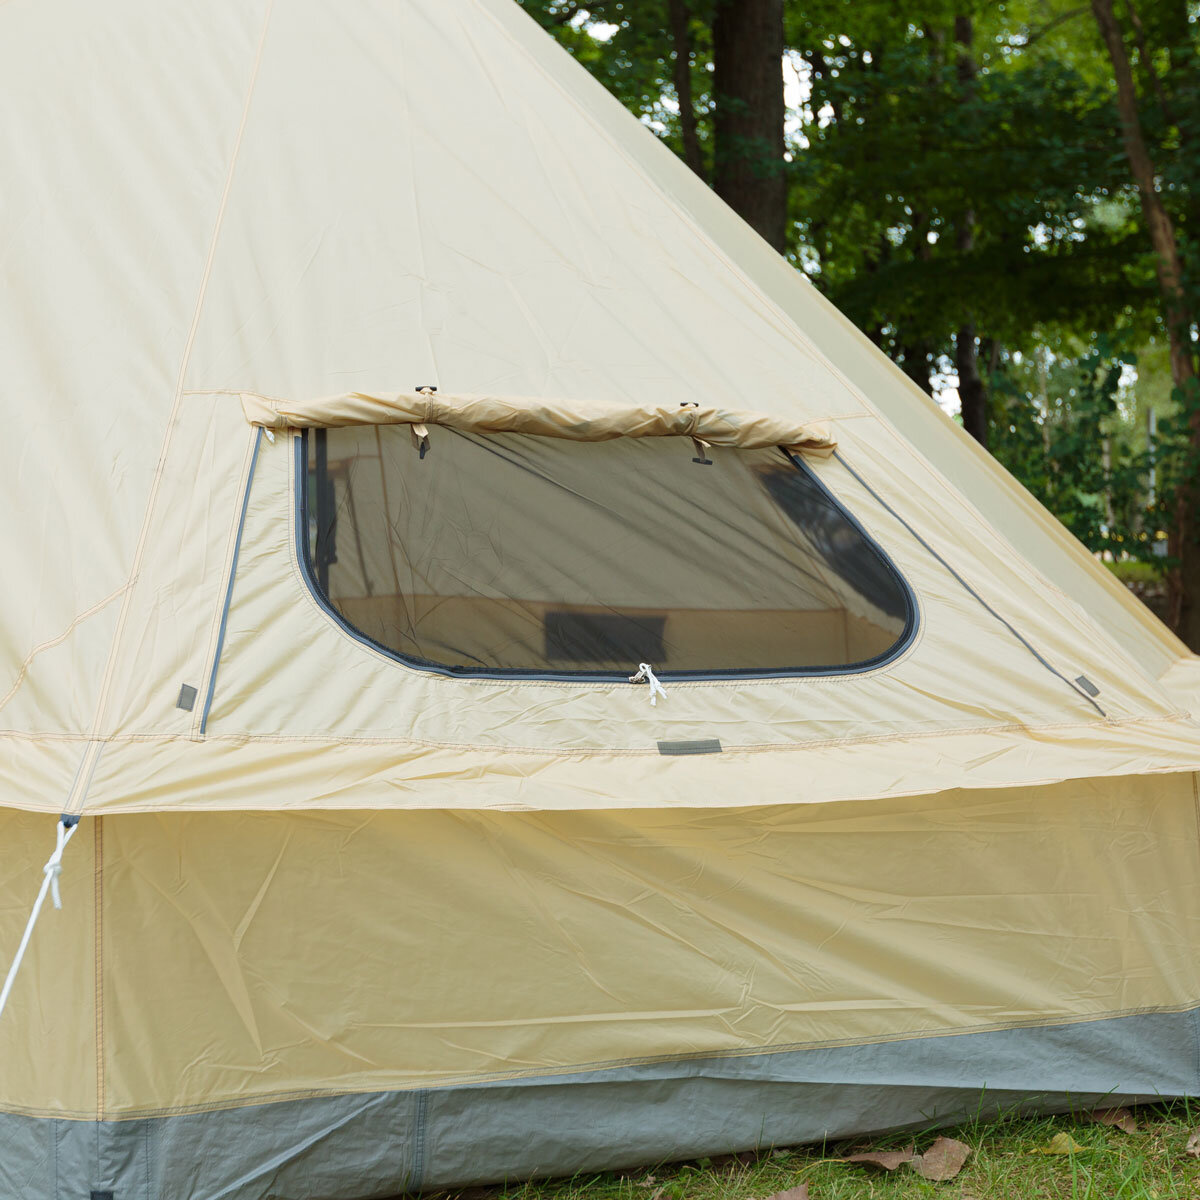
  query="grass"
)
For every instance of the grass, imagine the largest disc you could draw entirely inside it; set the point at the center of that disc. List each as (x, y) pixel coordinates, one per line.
(1113, 1165)
(1132, 571)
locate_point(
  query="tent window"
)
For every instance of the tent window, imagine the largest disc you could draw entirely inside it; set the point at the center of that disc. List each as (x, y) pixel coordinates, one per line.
(503, 553)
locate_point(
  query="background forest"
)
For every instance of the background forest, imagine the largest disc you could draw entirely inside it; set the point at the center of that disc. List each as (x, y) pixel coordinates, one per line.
(1003, 196)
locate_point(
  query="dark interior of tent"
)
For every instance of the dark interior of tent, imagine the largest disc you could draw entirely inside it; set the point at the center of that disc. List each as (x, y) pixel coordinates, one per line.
(505, 553)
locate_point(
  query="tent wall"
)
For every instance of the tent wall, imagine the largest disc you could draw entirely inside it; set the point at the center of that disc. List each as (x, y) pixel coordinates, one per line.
(114, 183)
(250, 957)
(327, 993)
(48, 1037)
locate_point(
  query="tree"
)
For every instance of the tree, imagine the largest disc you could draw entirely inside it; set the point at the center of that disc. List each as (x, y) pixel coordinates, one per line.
(708, 75)
(749, 113)
(1176, 305)
(946, 175)
(972, 392)
(681, 36)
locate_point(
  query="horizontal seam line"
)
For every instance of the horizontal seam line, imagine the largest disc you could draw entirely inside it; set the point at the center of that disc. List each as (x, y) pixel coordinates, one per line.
(586, 751)
(617, 1064)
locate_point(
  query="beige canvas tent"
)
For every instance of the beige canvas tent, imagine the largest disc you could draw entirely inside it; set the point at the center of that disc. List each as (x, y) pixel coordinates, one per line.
(670, 735)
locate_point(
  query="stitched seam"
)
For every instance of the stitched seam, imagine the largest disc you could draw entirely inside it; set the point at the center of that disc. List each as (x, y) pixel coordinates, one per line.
(1120, 723)
(78, 797)
(58, 641)
(1196, 1013)
(1189, 1009)
(98, 960)
(420, 1125)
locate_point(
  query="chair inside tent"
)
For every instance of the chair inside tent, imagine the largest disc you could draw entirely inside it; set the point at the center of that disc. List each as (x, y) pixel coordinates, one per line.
(509, 682)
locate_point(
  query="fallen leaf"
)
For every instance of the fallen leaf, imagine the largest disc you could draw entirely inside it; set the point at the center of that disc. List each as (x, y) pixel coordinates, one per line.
(743, 1158)
(1118, 1118)
(796, 1193)
(1060, 1143)
(943, 1160)
(889, 1160)
(1193, 1145)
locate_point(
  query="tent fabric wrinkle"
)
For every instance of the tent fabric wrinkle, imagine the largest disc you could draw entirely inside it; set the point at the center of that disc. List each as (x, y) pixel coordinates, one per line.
(568, 419)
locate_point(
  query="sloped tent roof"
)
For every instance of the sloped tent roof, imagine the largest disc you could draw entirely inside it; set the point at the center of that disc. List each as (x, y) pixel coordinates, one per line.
(218, 214)
(266, 206)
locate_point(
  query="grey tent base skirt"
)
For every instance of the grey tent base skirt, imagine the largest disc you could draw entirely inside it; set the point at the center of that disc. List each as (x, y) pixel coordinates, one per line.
(361, 1146)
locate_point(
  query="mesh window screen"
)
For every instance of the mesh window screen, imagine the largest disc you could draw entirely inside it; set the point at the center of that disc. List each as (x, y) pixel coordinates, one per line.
(506, 553)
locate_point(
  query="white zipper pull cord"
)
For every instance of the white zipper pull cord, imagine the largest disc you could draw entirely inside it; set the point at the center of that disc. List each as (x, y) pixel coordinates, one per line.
(645, 674)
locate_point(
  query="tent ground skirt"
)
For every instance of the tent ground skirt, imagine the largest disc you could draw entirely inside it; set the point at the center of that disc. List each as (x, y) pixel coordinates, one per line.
(354, 1147)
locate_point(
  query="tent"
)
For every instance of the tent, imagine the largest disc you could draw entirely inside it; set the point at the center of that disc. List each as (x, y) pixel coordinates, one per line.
(528, 687)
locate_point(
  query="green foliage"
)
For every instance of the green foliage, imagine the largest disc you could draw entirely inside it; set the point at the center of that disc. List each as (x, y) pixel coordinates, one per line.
(628, 46)
(1050, 416)
(959, 166)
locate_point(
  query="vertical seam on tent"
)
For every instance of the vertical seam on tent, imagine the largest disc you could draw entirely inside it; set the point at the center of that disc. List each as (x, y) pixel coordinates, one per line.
(237, 545)
(1195, 1012)
(969, 589)
(76, 800)
(420, 1121)
(231, 542)
(98, 967)
(1194, 1021)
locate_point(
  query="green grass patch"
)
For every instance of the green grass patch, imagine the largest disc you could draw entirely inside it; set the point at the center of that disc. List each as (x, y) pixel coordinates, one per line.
(1135, 571)
(1005, 1163)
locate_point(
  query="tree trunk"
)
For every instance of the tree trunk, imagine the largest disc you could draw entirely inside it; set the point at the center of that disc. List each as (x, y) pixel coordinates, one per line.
(681, 36)
(916, 361)
(1158, 221)
(1184, 586)
(749, 114)
(972, 391)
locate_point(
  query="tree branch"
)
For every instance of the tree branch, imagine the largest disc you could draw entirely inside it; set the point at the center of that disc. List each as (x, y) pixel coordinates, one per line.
(1139, 34)
(1049, 27)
